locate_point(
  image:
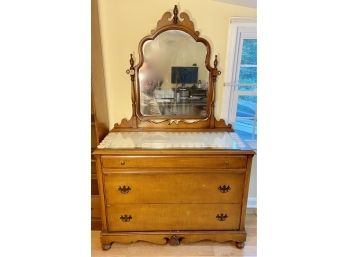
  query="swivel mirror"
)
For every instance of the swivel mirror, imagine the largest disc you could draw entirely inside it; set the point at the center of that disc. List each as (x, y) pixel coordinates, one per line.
(173, 79)
(173, 84)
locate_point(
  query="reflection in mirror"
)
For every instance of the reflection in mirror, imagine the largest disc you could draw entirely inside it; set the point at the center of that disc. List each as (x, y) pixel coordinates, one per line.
(173, 78)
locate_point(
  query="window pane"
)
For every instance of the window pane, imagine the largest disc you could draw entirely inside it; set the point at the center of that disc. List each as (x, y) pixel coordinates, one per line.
(249, 51)
(247, 75)
(245, 128)
(246, 106)
(247, 88)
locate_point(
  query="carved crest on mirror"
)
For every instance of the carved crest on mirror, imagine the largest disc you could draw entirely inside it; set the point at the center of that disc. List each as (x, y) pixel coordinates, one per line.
(173, 84)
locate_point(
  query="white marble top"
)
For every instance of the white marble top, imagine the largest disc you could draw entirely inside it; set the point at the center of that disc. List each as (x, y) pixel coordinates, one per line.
(173, 140)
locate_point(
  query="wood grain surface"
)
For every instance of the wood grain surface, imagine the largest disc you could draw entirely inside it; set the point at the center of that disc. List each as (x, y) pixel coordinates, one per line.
(153, 217)
(173, 187)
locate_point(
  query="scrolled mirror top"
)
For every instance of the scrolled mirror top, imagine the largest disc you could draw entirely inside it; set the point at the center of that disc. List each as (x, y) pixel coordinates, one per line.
(177, 19)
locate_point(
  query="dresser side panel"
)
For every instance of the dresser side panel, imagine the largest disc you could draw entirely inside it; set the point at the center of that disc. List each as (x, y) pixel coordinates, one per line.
(101, 192)
(245, 193)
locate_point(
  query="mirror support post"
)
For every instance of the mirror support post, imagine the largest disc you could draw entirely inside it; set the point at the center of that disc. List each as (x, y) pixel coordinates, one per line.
(131, 72)
(215, 73)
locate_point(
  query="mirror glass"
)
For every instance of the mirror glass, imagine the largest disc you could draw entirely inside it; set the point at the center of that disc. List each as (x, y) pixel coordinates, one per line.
(173, 79)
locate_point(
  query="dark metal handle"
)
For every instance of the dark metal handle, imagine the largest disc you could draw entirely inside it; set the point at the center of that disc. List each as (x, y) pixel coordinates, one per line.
(224, 188)
(173, 240)
(124, 189)
(221, 217)
(126, 218)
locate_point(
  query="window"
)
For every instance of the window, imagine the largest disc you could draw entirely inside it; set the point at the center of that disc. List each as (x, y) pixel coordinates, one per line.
(242, 93)
(244, 90)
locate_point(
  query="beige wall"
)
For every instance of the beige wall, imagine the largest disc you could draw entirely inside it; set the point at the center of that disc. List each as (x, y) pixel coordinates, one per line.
(124, 23)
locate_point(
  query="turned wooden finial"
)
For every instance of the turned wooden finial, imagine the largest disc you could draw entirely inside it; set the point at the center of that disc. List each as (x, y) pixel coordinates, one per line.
(175, 12)
(131, 61)
(132, 122)
(215, 62)
(215, 71)
(131, 70)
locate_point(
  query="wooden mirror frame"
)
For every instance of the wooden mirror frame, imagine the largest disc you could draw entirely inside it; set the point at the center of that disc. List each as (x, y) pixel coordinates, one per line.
(139, 122)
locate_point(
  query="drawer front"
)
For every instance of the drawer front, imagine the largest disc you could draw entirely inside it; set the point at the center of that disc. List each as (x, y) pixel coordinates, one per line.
(207, 187)
(151, 217)
(95, 207)
(203, 162)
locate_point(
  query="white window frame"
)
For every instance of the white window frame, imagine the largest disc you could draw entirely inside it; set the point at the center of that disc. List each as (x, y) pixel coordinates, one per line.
(240, 28)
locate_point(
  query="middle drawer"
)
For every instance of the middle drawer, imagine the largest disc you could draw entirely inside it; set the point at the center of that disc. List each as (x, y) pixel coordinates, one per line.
(214, 187)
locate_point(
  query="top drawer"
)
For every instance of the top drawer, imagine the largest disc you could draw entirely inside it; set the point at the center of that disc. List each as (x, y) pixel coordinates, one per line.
(204, 162)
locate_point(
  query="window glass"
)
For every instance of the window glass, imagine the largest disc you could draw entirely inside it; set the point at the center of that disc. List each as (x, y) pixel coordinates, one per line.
(247, 88)
(246, 106)
(245, 128)
(249, 53)
(247, 75)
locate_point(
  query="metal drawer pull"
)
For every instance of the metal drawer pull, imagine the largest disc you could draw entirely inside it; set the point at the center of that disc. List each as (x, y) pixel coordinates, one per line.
(124, 189)
(123, 162)
(126, 218)
(224, 188)
(221, 217)
(173, 240)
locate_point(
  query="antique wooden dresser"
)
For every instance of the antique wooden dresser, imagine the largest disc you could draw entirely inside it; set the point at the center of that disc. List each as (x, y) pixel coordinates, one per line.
(173, 173)
(173, 190)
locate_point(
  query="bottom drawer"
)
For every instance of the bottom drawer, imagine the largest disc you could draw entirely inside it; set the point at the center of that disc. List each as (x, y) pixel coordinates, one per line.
(151, 217)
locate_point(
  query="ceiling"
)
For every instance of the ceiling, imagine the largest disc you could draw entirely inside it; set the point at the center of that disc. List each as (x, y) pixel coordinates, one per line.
(246, 3)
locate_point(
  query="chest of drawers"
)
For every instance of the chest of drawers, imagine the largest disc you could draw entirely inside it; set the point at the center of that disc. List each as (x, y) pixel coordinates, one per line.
(173, 195)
